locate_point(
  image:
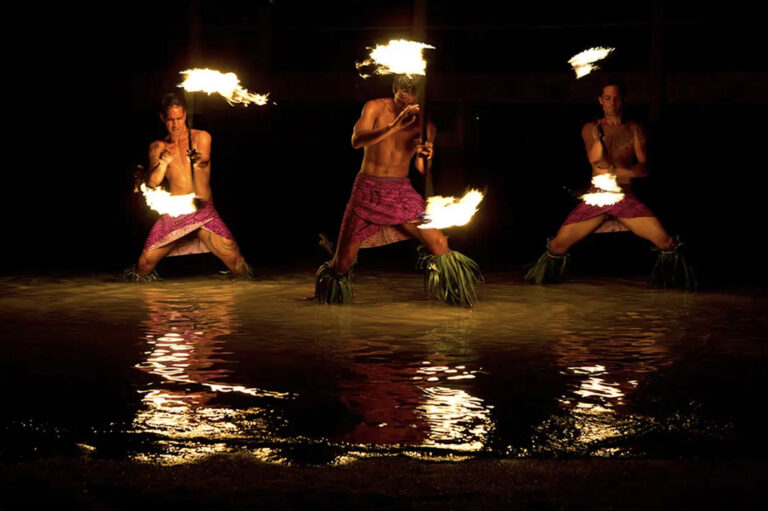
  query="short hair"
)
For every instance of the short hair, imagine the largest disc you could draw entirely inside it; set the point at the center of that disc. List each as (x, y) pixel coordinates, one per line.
(615, 82)
(405, 83)
(170, 100)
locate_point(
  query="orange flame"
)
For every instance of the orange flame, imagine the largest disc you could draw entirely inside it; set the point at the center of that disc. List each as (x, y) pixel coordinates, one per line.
(399, 56)
(610, 192)
(225, 84)
(584, 63)
(443, 212)
(167, 204)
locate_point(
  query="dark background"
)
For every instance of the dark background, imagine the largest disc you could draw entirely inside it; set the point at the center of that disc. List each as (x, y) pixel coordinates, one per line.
(81, 88)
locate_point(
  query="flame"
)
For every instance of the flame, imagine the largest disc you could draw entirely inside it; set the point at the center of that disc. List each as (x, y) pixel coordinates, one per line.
(445, 212)
(167, 204)
(584, 63)
(610, 193)
(399, 56)
(225, 84)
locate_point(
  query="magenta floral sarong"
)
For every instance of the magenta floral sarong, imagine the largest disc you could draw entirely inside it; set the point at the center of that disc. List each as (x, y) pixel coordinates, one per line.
(168, 229)
(628, 207)
(376, 207)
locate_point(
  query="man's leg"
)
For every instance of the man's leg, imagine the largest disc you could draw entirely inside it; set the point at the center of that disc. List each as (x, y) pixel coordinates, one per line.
(450, 276)
(333, 280)
(570, 234)
(649, 228)
(552, 266)
(345, 256)
(433, 239)
(225, 249)
(672, 268)
(149, 258)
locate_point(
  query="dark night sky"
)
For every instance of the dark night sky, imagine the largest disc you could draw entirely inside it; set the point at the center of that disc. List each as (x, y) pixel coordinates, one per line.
(80, 111)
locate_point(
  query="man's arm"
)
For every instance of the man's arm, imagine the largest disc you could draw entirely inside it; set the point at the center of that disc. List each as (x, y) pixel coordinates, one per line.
(426, 150)
(592, 135)
(364, 134)
(639, 169)
(201, 154)
(160, 156)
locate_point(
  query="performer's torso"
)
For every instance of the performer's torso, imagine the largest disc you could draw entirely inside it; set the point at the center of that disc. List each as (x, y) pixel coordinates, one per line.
(619, 142)
(391, 157)
(179, 173)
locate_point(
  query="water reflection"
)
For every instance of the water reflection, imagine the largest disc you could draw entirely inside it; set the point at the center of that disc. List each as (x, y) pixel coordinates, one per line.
(185, 410)
(602, 369)
(411, 399)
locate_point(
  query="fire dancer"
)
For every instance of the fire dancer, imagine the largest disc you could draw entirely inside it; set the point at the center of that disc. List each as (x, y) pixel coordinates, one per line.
(183, 157)
(384, 208)
(617, 147)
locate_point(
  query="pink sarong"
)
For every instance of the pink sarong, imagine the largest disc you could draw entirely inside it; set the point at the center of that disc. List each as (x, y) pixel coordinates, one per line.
(376, 207)
(628, 207)
(168, 229)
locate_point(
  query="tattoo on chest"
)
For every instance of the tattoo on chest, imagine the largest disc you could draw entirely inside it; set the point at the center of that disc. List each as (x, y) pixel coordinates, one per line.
(621, 137)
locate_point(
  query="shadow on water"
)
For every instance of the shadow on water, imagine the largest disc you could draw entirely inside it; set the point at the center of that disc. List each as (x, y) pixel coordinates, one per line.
(178, 370)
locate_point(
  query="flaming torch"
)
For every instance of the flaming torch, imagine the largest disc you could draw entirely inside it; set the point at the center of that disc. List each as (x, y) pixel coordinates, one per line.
(443, 212)
(610, 192)
(398, 57)
(584, 63)
(167, 204)
(401, 56)
(224, 84)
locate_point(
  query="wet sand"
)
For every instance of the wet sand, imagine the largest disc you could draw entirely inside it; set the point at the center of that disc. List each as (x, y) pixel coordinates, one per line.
(231, 482)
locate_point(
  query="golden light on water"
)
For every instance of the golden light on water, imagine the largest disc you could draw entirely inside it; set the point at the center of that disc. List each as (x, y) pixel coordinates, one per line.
(610, 192)
(584, 63)
(225, 84)
(398, 56)
(455, 419)
(185, 409)
(167, 204)
(443, 212)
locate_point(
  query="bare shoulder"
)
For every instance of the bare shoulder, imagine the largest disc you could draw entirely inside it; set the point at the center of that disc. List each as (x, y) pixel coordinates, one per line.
(589, 127)
(376, 105)
(157, 145)
(201, 136)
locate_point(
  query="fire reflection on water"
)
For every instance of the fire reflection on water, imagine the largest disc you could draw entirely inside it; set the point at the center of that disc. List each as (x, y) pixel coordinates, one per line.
(417, 404)
(600, 374)
(186, 351)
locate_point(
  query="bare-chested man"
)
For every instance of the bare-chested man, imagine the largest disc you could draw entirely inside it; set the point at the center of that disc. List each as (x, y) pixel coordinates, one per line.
(614, 146)
(384, 208)
(198, 232)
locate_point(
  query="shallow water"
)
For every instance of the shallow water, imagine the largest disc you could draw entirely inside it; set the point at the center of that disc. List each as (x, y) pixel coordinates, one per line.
(173, 371)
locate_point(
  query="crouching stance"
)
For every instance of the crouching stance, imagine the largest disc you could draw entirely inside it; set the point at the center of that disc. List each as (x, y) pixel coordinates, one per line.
(615, 146)
(184, 159)
(384, 207)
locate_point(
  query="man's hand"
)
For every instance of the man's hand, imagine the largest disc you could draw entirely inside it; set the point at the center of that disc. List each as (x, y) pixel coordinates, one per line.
(605, 170)
(597, 132)
(194, 156)
(168, 154)
(405, 118)
(427, 150)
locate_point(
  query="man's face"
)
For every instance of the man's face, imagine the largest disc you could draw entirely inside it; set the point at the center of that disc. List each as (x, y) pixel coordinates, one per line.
(611, 100)
(403, 98)
(175, 120)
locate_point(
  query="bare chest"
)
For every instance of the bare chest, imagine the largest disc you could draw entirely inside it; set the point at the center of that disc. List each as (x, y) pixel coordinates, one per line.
(180, 166)
(404, 140)
(618, 136)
